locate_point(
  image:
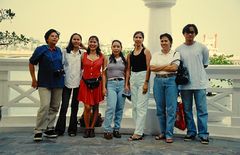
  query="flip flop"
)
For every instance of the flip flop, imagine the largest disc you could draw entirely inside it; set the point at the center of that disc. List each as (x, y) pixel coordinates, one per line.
(131, 138)
(160, 137)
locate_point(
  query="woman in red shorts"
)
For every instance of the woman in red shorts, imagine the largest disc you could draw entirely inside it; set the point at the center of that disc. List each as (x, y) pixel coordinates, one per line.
(93, 66)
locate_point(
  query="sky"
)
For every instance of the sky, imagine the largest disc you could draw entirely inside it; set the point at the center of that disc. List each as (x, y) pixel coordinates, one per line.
(119, 19)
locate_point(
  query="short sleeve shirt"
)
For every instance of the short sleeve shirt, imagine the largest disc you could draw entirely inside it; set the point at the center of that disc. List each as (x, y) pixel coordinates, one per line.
(194, 57)
(160, 59)
(48, 61)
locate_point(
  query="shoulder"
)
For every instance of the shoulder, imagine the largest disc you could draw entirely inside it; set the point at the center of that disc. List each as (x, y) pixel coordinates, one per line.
(156, 54)
(58, 48)
(178, 49)
(202, 46)
(40, 48)
(64, 50)
(175, 54)
(147, 51)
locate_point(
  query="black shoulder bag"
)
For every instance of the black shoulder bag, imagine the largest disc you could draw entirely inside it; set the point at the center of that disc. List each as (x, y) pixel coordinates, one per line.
(182, 77)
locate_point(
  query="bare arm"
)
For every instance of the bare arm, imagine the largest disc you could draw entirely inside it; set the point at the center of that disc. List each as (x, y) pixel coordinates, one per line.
(168, 68)
(104, 76)
(128, 71)
(32, 73)
(148, 59)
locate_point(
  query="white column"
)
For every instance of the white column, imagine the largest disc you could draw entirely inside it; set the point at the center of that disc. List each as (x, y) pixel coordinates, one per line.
(159, 21)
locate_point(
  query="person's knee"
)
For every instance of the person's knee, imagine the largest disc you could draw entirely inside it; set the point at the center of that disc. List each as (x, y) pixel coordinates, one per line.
(87, 108)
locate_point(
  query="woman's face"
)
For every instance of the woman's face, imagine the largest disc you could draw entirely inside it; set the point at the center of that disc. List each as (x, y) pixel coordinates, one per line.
(138, 39)
(165, 43)
(116, 48)
(76, 41)
(92, 44)
(53, 38)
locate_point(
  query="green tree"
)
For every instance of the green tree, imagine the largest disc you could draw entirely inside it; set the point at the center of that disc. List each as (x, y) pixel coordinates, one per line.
(10, 38)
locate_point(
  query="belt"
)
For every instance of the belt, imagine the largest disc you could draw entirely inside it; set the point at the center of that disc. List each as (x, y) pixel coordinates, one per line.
(165, 75)
(116, 79)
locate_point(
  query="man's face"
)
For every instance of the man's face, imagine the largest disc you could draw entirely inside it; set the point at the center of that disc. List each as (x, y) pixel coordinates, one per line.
(190, 34)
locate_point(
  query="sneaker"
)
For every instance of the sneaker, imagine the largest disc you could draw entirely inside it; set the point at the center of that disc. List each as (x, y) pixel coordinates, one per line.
(38, 137)
(116, 134)
(108, 135)
(189, 138)
(204, 140)
(50, 134)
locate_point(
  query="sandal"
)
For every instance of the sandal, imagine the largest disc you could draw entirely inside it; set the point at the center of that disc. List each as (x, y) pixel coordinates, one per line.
(131, 138)
(169, 140)
(160, 137)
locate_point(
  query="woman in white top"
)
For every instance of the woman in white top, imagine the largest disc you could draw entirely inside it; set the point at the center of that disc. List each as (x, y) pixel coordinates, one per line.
(72, 68)
(165, 88)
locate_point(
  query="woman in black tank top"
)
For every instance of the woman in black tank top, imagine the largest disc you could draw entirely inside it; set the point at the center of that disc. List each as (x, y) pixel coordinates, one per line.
(138, 68)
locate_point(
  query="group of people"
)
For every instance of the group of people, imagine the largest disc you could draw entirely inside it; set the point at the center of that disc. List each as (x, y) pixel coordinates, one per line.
(87, 75)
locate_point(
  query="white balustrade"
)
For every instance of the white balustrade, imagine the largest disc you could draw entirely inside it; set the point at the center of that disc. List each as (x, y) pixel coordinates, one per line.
(224, 106)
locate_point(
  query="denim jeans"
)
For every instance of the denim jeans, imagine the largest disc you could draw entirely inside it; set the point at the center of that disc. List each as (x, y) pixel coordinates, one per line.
(115, 105)
(61, 123)
(165, 94)
(202, 113)
(139, 100)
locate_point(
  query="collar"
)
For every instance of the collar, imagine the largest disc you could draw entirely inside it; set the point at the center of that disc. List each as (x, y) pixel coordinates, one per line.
(51, 49)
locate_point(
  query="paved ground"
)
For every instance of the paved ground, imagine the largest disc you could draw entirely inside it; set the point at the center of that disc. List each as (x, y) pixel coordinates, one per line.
(21, 143)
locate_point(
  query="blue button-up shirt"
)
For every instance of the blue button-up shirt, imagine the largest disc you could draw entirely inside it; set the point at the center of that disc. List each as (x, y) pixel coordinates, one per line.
(48, 61)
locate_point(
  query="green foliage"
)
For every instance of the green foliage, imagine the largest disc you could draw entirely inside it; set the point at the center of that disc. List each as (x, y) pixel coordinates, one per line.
(10, 38)
(221, 59)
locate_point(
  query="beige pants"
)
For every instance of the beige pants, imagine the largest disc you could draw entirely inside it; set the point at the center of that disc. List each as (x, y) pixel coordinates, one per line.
(49, 105)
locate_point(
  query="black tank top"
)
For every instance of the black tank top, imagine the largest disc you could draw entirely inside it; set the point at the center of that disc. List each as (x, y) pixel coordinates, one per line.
(138, 62)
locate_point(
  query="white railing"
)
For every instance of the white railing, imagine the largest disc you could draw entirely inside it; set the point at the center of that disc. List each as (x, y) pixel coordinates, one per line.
(15, 93)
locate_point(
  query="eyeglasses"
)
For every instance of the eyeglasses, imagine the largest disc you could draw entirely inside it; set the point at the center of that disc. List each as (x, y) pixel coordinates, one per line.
(190, 32)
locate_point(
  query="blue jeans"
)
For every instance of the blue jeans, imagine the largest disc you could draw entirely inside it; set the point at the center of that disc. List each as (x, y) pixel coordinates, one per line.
(61, 122)
(202, 113)
(165, 94)
(115, 105)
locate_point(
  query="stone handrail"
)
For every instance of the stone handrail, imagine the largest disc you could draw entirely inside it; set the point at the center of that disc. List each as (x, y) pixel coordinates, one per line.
(229, 107)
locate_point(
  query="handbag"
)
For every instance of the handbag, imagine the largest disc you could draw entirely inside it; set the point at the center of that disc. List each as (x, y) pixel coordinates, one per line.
(98, 122)
(180, 119)
(93, 82)
(182, 77)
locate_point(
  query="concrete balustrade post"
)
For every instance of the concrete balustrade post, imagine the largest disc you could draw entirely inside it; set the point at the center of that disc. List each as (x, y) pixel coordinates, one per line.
(235, 119)
(4, 91)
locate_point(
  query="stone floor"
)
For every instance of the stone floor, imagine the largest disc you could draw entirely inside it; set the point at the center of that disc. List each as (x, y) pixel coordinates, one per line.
(21, 142)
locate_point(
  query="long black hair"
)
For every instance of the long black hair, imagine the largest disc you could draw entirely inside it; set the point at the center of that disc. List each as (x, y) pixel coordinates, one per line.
(69, 48)
(112, 57)
(98, 50)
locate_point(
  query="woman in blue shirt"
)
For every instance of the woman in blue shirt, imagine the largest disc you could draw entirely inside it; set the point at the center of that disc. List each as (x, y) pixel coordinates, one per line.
(49, 82)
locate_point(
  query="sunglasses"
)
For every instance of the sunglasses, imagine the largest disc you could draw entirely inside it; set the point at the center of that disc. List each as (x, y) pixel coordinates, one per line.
(190, 32)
